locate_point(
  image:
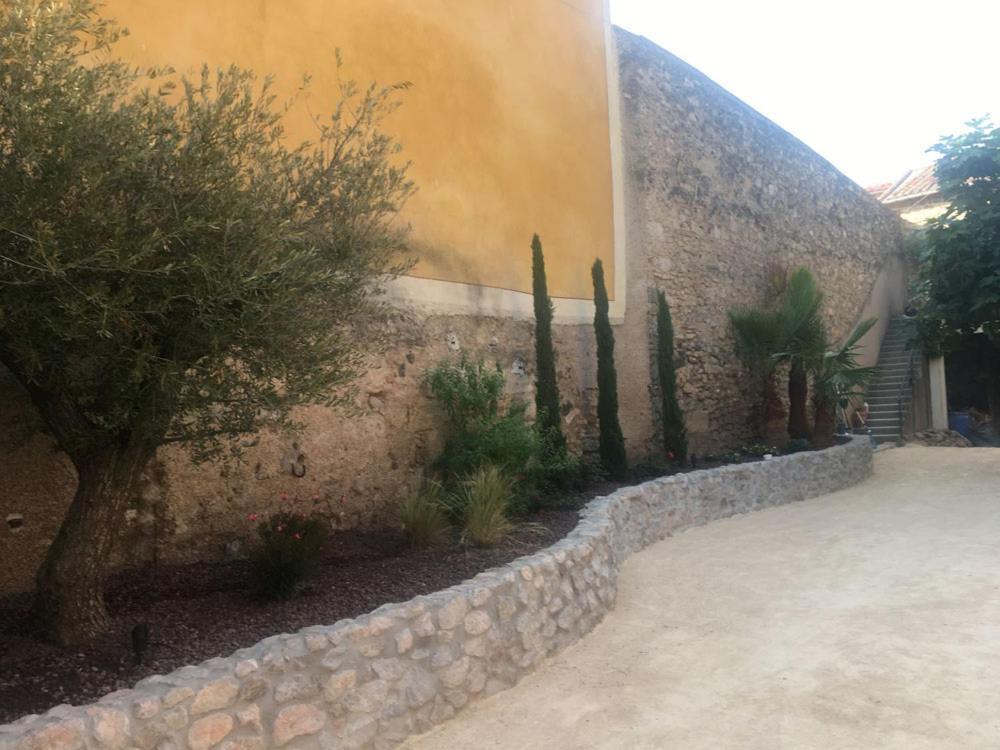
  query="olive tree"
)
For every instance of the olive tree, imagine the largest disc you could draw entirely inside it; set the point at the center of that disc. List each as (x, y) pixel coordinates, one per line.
(172, 269)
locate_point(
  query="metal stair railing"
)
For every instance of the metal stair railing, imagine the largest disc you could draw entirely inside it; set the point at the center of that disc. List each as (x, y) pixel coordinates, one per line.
(908, 386)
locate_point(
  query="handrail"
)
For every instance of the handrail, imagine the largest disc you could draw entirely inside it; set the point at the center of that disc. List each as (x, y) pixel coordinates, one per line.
(909, 382)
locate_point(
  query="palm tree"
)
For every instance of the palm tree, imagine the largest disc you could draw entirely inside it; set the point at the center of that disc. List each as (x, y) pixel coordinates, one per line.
(803, 341)
(758, 337)
(837, 375)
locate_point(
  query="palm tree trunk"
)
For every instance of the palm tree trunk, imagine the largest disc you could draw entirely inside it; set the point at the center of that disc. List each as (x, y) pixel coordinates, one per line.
(798, 394)
(824, 424)
(775, 428)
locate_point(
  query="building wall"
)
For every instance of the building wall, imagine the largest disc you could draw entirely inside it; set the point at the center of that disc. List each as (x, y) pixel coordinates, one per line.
(717, 197)
(920, 212)
(713, 195)
(506, 122)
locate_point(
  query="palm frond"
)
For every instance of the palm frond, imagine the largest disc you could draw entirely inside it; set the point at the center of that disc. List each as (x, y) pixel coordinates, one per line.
(803, 335)
(758, 335)
(838, 372)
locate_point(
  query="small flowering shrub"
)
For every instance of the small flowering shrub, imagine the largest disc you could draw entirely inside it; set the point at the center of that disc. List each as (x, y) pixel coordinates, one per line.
(290, 551)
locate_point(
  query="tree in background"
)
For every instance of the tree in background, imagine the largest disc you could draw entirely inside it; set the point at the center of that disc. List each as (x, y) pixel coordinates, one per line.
(546, 389)
(960, 265)
(611, 440)
(674, 434)
(170, 270)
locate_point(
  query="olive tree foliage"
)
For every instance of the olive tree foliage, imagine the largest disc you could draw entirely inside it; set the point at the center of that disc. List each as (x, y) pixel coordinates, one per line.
(172, 269)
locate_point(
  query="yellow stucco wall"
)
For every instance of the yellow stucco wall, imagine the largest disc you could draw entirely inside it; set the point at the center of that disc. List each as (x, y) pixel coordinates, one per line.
(506, 123)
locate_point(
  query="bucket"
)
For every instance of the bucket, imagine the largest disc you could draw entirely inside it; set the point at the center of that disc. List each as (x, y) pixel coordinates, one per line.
(959, 422)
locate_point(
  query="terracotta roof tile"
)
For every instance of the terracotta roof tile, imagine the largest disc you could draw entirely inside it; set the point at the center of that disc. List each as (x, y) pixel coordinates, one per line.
(875, 191)
(915, 183)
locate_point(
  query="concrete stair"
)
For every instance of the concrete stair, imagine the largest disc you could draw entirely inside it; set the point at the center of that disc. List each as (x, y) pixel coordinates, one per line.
(891, 390)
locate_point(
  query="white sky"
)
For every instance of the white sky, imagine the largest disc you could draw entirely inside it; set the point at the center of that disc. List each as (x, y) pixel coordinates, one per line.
(870, 85)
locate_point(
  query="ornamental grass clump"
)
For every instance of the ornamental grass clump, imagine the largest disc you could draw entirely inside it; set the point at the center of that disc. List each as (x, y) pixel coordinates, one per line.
(483, 506)
(423, 516)
(291, 544)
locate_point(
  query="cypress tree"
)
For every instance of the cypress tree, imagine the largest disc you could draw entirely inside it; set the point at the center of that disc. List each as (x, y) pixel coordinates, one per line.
(674, 434)
(546, 388)
(612, 442)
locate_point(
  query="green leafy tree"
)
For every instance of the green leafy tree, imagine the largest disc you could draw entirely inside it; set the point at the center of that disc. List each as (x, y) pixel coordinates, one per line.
(674, 433)
(171, 270)
(960, 273)
(546, 388)
(611, 441)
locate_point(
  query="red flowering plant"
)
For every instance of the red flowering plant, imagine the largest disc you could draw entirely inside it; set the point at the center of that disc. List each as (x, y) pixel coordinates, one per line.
(291, 543)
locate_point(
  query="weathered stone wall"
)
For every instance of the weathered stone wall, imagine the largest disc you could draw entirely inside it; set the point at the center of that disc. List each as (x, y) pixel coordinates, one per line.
(373, 681)
(716, 197)
(351, 466)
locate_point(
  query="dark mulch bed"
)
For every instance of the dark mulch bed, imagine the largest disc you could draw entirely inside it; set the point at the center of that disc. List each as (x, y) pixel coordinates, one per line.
(199, 611)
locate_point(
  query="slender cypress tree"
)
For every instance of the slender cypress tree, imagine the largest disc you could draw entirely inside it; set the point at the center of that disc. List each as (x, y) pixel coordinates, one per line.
(546, 389)
(612, 442)
(674, 434)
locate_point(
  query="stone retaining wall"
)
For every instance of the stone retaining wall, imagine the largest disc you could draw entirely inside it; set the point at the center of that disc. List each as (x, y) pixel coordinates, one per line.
(374, 680)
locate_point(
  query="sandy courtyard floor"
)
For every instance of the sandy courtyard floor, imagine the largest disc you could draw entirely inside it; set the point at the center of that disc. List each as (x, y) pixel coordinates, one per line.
(869, 618)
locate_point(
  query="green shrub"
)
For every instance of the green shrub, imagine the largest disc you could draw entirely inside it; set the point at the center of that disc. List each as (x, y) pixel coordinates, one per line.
(290, 552)
(556, 471)
(506, 441)
(478, 433)
(483, 506)
(469, 392)
(423, 515)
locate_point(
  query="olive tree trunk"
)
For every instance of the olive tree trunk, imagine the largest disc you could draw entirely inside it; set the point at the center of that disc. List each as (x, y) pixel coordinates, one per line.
(69, 599)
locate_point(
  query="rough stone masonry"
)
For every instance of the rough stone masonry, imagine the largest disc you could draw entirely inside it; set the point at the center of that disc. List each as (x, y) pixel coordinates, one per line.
(375, 680)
